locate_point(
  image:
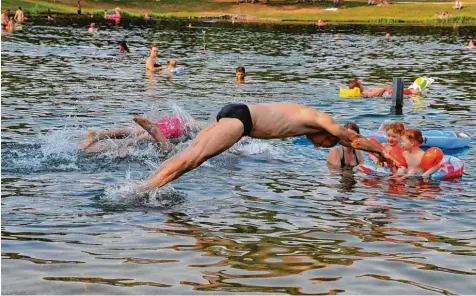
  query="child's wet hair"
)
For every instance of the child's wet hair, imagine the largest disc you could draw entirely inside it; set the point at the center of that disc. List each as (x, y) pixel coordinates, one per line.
(354, 83)
(240, 69)
(414, 135)
(353, 126)
(396, 127)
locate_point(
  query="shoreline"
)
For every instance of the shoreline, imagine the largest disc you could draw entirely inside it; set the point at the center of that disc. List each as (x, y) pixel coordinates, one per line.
(352, 12)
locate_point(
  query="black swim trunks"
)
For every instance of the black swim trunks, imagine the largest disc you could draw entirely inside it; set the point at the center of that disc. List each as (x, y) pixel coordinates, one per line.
(238, 111)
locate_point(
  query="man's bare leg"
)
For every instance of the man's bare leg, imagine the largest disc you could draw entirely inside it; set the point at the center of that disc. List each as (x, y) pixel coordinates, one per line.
(93, 137)
(210, 142)
(152, 129)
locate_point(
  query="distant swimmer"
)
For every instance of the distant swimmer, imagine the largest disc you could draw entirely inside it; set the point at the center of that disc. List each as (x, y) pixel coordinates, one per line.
(471, 44)
(189, 25)
(369, 92)
(151, 63)
(19, 16)
(387, 35)
(172, 65)
(92, 28)
(161, 131)
(260, 121)
(240, 74)
(123, 47)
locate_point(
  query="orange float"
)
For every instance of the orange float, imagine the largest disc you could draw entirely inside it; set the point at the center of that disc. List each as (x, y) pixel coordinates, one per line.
(432, 157)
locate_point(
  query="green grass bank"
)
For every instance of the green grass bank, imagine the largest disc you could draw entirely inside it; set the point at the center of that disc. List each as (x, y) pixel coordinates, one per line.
(422, 13)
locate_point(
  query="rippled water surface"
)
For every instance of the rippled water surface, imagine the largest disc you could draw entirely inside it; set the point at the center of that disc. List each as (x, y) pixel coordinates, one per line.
(266, 217)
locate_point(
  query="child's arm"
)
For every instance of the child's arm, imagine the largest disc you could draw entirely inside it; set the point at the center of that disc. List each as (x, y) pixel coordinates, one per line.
(427, 174)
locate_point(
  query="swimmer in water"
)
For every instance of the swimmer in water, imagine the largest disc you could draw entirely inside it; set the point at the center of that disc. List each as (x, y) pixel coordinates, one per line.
(387, 35)
(160, 131)
(342, 157)
(172, 65)
(370, 92)
(411, 141)
(471, 44)
(92, 28)
(151, 62)
(123, 47)
(259, 121)
(240, 74)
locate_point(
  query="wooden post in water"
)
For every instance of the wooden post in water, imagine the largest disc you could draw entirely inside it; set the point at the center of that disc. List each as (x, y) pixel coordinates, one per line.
(397, 96)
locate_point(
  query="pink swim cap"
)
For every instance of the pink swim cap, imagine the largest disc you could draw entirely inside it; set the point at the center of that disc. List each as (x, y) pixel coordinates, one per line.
(171, 127)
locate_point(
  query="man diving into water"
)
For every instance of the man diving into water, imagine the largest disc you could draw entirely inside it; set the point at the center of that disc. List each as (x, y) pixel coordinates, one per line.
(260, 121)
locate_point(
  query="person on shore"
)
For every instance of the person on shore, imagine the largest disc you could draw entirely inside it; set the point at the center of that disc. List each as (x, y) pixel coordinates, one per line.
(260, 121)
(19, 15)
(458, 4)
(341, 157)
(123, 47)
(240, 74)
(92, 28)
(146, 15)
(151, 62)
(79, 7)
(412, 140)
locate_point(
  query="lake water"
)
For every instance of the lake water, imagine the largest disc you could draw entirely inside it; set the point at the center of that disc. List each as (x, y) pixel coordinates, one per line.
(267, 217)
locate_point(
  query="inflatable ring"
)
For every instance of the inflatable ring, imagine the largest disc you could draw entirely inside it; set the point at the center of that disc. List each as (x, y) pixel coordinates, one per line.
(434, 138)
(450, 168)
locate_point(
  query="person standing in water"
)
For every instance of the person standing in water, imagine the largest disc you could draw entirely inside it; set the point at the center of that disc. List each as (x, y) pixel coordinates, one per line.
(19, 16)
(151, 62)
(341, 157)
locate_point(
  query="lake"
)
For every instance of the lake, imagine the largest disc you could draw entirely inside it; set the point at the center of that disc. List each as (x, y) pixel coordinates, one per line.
(265, 217)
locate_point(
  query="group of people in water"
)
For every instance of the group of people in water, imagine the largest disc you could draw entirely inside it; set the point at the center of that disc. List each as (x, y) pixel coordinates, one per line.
(407, 156)
(8, 23)
(269, 121)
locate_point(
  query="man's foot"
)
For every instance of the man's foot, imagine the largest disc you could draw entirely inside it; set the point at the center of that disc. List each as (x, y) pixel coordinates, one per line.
(89, 140)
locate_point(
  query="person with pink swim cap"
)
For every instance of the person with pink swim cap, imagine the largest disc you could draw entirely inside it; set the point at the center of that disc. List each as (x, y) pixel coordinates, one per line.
(161, 131)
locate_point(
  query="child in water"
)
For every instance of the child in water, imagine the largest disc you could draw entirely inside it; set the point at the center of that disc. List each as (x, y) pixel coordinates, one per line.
(394, 132)
(123, 47)
(240, 74)
(412, 140)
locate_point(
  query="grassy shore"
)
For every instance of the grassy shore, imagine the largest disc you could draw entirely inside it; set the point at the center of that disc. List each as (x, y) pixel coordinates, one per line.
(278, 11)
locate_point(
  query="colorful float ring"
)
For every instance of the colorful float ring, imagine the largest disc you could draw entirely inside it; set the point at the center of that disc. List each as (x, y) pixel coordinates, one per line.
(434, 138)
(349, 93)
(451, 167)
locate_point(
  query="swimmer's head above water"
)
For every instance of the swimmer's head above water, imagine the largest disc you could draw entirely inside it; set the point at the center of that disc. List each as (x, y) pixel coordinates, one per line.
(323, 139)
(356, 83)
(123, 47)
(240, 73)
(173, 63)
